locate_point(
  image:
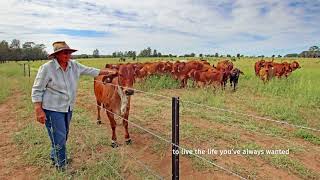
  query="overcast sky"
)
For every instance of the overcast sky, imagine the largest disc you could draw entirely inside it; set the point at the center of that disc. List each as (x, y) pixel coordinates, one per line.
(250, 27)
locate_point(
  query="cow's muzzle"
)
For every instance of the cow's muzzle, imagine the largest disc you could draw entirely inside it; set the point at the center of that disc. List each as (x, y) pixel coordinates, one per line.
(129, 92)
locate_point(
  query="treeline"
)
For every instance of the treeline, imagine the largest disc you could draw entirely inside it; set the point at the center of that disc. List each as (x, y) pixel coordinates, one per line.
(26, 51)
(312, 52)
(148, 52)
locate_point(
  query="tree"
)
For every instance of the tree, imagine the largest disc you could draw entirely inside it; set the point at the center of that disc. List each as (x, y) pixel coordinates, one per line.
(292, 55)
(155, 54)
(39, 52)
(15, 44)
(148, 52)
(15, 51)
(216, 55)
(314, 48)
(192, 55)
(134, 56)
(279, 56)
(273, 56)
(95, 53)
(4, 50)
(28, 45)
(29, 51)
(238, 55)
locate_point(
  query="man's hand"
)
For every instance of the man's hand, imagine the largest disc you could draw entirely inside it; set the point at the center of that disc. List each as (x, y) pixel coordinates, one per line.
(107, 71)
(40, 115)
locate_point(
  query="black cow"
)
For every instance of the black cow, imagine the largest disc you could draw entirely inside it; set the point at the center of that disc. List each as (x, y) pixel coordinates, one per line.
(234, 77)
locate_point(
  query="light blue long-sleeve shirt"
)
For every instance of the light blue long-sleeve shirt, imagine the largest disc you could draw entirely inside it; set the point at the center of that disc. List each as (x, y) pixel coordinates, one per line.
(56, 88)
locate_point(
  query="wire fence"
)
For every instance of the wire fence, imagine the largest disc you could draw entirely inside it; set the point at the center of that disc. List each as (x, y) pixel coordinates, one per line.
(159, 137)
(222, 109)
(169, 142)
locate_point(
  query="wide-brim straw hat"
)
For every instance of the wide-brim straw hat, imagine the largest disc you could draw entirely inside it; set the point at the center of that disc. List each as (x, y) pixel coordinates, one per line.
(60, 46)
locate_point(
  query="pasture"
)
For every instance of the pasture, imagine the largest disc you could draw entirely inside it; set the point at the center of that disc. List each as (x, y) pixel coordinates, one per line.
(294, 100)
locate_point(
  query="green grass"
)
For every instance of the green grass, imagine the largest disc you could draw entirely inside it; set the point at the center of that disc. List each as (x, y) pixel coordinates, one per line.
(35, 143)
(106, 166)
(206, 96)
(8, 79)
(285, 162)
(200, 164)
(282, 161)
(5, 92)
(308, 136)
(157, 82)
(295, 100)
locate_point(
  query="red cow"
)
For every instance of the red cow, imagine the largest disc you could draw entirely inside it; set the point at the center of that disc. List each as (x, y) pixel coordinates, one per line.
(207, 77)
(258, 65)
(115, 98)
(181, 70)
(225, 66)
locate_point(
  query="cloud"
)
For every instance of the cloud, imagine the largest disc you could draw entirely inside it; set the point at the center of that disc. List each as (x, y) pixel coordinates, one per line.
(81, 33)
(178, 27)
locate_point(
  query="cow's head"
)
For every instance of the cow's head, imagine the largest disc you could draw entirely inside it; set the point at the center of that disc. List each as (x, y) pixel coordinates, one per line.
(180, 67)
(112, 74)
(294, 65)
(126, 79)
(168, 66)
(267, 65)
(236, 72)
(261, 63)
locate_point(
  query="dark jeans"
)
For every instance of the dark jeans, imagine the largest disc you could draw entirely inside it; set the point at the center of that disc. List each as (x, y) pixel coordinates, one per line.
(57, 124)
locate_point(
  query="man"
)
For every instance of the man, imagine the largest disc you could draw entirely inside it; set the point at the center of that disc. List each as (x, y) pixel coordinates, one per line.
(53, 95)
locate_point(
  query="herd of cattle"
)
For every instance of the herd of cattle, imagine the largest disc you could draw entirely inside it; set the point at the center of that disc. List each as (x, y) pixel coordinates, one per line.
(200, 71)
(266, 70)
(203, 74)
(113, 92)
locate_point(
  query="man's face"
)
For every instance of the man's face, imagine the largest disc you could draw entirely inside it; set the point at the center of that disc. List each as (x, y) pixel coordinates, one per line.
(63, 56)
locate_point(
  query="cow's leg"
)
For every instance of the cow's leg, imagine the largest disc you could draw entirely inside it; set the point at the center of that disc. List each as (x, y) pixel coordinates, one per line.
(98, 113)
(181, 84)
(222, 84)
(126, 131)
(185, 82)
(113, 125)
(201, 84)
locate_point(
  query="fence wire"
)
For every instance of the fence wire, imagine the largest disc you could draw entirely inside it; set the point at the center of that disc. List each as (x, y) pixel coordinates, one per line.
(221, 109)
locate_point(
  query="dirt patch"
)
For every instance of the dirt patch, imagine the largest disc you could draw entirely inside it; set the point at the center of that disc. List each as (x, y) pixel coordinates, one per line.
(11, 162)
